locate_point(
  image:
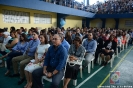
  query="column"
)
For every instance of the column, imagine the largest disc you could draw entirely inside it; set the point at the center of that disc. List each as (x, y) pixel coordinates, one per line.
(88, 20)
(116, 23)
(103, 22)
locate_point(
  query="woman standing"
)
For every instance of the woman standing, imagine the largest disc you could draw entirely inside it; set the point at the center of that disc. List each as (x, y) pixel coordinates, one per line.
(37, 62)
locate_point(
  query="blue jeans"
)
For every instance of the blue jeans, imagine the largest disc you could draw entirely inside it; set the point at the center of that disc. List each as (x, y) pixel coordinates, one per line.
(37, 75)
(10, 56)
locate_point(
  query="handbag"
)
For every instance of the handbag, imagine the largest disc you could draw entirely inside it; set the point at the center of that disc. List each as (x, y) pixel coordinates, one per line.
(74, 62)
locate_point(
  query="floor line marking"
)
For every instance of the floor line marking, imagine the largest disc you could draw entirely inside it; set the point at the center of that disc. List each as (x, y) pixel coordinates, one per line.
(89, 77)
(114, 68)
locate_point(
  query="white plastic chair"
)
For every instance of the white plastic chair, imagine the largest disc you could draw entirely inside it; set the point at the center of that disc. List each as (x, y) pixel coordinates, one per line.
(111, 60)
(91, 64)
(117, 51)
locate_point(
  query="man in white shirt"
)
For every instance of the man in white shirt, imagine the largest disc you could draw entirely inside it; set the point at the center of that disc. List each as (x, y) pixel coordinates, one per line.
(7, 37)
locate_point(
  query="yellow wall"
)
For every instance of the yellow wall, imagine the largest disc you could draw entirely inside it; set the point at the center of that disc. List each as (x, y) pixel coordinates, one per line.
(96, 23)
(122, 24)
(73, 21)
(31, 24)
(110, 23)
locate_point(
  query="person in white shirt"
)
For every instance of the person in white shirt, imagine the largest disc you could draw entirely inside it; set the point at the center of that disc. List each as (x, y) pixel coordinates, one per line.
(127, 37)
(119, 41)
(7, 37)
(37, 62)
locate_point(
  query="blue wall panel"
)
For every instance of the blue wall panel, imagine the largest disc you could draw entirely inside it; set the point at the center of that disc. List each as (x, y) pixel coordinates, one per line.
(126, 15)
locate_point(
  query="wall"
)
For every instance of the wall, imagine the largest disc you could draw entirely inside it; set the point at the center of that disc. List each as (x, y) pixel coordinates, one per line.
(44, 6)
(122, 24)
(73, 21)
(110, 23)
(96, 23)
(31, 24)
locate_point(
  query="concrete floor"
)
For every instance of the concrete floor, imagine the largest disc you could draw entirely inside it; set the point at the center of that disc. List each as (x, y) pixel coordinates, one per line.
(99, 76)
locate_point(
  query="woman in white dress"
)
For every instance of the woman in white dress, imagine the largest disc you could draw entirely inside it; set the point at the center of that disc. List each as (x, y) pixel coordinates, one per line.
(38, 61)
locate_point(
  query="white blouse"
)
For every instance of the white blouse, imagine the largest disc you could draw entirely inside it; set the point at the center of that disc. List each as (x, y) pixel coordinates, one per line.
(41, 49)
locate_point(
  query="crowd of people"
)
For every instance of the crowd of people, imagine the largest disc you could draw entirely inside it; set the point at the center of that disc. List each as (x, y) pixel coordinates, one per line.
(107, 7)
(36, 53)
(116, 6)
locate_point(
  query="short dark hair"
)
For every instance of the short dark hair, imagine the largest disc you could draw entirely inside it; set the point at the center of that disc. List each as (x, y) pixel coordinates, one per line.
(46, 38)
(36, 32)
(43, 31)
(78, 39)
(13, 29)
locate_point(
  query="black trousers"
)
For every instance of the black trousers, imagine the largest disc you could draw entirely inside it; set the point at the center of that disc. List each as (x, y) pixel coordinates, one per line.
(96, 55)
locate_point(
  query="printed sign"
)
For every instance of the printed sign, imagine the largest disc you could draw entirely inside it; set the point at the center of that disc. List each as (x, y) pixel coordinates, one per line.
(114, 77)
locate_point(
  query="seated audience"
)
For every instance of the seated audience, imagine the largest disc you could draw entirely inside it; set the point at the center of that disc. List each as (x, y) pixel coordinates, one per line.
(17, 50)
(99, 45)
(39, 59)
(12, 29)
(108, 50)
(50, 38)
(11, 43)
(25, 59)
(54, 64)
(90, 45)
(64, 42)
(42, 32)
(7, 37)
(1, 37)
(119, 41)
(76, 52)
(68, 37)
(29, 36)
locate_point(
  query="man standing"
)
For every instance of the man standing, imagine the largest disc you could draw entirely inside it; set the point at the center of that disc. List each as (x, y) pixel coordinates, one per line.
(25, 59)
(54, 64)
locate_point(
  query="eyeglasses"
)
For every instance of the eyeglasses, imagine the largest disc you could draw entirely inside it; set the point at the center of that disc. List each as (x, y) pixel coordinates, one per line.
(55, 38)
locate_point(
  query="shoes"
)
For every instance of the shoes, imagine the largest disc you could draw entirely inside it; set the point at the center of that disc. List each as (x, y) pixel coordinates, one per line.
(21, 81)
(15, 75)
(7, 73)
(105, 63)
(102, 63)
(84, 66)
